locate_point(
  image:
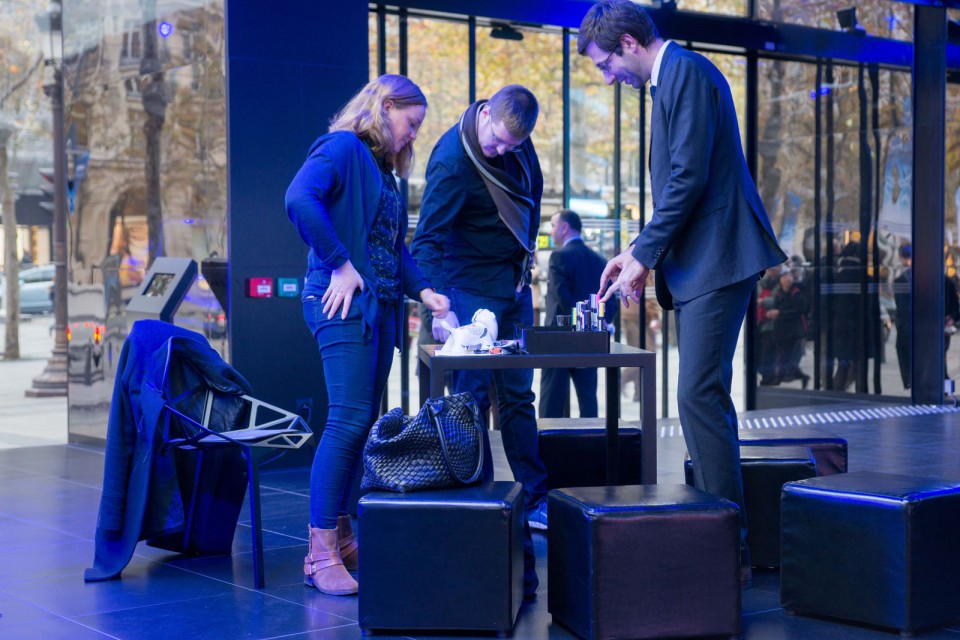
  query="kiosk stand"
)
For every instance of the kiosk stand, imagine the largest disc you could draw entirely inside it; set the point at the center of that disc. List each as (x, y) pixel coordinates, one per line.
(162, 291)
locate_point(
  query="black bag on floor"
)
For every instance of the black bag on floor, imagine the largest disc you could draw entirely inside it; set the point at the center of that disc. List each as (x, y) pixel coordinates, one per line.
(440, 447)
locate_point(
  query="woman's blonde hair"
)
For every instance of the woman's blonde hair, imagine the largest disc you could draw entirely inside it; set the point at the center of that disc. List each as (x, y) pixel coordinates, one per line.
(365, 116)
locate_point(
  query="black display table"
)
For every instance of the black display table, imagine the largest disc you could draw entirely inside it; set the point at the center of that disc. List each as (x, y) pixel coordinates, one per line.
(433, 369)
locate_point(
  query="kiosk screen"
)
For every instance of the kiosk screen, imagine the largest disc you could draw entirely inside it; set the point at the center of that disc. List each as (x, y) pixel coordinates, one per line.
(159, 284)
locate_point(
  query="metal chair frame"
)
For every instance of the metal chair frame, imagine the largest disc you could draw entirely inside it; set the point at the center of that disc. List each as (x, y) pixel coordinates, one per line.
(280, 432)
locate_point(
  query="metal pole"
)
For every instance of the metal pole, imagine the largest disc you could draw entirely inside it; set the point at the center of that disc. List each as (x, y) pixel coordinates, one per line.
(53, 380)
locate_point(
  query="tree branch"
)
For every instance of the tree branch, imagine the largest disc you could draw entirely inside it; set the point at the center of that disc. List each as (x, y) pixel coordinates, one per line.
(22, 81)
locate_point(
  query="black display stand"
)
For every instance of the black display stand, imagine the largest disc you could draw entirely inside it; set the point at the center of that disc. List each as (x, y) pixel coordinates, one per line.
(433, 368)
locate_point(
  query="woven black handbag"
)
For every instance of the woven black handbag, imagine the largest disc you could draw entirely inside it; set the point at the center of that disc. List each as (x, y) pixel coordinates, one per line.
(440, 447)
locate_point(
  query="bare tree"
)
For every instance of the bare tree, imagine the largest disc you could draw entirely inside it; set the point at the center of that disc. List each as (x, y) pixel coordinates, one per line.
(155, 99)
(8, 130)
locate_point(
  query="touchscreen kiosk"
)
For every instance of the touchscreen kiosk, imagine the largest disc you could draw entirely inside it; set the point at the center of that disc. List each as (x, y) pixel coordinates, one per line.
(163, 289)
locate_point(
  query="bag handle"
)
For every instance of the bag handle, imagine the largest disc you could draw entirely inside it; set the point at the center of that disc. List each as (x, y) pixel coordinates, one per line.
(477, 423)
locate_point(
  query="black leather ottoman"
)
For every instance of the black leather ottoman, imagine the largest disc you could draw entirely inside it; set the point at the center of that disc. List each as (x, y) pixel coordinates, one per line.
(830, 451)
(765, 470)
(576, 456)
(442, 560)
(643, 561)
(872, 547)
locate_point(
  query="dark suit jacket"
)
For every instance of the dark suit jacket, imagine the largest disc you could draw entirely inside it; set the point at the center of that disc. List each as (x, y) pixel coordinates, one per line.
(573, 275)
(709, 228)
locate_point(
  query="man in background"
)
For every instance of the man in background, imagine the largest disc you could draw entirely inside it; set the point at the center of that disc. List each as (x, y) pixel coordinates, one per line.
(573, 274)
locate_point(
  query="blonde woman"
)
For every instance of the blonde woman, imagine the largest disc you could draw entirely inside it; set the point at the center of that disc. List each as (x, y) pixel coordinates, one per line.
(347, 208)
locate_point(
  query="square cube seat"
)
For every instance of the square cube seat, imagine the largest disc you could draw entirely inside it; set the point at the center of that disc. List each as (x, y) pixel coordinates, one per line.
(574, 452)
(643, 561)
(765, 470)
(829, 450)
(450, 559)
(872, 547)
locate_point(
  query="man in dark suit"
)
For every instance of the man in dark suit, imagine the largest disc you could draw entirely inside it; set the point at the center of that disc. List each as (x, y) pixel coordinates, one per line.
(708, 238)
(575, 269)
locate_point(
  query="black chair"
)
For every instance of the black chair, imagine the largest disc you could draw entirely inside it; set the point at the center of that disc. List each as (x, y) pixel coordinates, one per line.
(202, 420)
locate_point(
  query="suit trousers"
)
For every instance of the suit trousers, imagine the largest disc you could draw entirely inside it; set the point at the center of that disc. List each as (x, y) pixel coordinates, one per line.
(555, 392)
(707, 331)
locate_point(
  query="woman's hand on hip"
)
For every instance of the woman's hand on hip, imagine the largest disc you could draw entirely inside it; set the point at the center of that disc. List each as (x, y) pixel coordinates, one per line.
(344, 283)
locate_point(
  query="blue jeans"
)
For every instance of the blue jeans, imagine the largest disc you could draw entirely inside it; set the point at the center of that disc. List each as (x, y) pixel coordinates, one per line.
(518, 419)
(355, 373)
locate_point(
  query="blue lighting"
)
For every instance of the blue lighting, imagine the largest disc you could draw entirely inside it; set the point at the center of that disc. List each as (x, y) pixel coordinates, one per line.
(823, 91)
(164, 29)
(188, 221)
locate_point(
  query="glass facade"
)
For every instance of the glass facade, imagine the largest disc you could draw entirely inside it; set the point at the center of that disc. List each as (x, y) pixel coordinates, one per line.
(833, 159)
(875, 17)
(835, 175)
(438, 61)
(146, 143)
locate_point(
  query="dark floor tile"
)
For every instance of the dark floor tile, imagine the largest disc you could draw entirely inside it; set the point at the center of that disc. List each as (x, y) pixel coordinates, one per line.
(52, 502)
(293, 480)
(54, 629)
(278, 504)
(142, 584)
(8, 472)
(238, 614)
(778, 625)
(69, 462)
(344, 607)
(19, 535)
(764, 595)
(15, 612)
(293, 526)
(58, 557)
(53, 494)
(346, 632)
(272, 537)
(22, 491)
(282, 566)
(536, 623)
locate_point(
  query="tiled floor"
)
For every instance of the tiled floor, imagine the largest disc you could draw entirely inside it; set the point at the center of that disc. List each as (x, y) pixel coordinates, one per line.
(49, 498)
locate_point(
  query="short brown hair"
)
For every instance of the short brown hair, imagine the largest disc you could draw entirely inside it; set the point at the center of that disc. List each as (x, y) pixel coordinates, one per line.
(516, 107)
(607, 20)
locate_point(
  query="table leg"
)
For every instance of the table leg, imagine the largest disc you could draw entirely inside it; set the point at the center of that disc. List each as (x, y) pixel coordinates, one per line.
(437, 375)
(613, 425)
(648, 423)
(423, 375)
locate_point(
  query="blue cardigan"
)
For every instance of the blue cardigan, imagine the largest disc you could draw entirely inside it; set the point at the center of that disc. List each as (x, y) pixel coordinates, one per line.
(333, 201)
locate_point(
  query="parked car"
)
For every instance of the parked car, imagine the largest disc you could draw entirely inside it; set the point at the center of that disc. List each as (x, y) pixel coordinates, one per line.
(36, 289)
(215, 323)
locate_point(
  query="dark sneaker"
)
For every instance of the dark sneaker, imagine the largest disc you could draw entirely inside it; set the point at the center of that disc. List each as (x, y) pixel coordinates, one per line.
(537, 516)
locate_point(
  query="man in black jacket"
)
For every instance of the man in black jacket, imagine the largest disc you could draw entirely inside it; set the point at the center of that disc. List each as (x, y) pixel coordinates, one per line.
(479, 219)
(574, 272)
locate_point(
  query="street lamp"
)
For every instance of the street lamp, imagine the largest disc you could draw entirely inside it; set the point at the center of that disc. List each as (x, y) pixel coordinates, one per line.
(53, 380)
